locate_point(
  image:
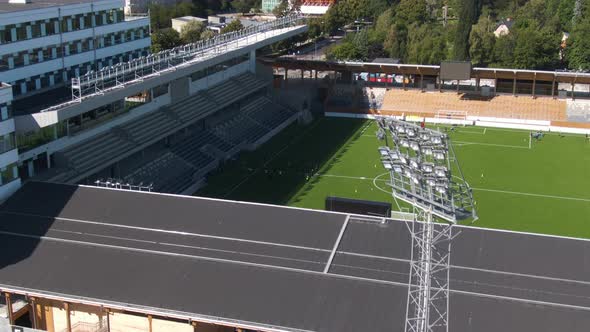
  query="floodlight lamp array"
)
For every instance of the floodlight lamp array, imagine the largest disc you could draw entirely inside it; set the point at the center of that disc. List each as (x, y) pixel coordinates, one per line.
(419, 163)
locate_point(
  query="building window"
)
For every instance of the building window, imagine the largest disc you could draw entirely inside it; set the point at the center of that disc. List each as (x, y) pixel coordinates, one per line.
(8, 174)
(7, 142)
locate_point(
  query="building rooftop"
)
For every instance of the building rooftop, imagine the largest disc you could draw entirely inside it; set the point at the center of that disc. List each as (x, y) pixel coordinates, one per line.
(190, 18)
(269, 267)
(7, 7)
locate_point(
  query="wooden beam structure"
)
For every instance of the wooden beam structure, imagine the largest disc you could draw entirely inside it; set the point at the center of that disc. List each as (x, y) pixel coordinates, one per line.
(68, 317)
(9, 308)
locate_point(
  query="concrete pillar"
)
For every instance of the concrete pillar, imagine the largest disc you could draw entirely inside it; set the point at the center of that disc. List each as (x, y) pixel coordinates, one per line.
(316, 74)
(302, 71)
(286, 74)
(404, 81)
(458, 84)
(68, 317)
(573, 87)
(440, 83)
(477, 83)
(252, 61)
(514, 87)
(534, 85)
(495, 86)
(149, 317)
(553, 88)
(421, 83)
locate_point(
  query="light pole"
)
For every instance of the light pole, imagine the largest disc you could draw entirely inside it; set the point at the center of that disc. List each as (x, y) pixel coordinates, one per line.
(420, 163)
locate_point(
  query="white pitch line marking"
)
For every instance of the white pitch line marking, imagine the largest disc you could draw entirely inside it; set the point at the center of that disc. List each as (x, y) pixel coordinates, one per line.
(496, 145)
(480, 189)
(534, 195)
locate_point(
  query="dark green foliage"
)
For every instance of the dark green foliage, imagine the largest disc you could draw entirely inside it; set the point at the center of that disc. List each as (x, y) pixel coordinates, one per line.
(234, 25)
(164, 39)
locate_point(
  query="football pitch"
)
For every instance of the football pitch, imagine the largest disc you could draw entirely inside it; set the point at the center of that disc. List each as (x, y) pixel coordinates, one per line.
(519, 183)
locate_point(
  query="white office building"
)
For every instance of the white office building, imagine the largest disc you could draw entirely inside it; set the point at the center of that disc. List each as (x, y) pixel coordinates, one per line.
(9, 180)
(44, 43)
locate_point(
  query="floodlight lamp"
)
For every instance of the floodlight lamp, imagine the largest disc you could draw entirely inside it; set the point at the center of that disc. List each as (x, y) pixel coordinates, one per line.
(403, 159)
(408, 173)
(404, 143)
(400, 129)
(414, 164)
(387, 165)
(424, 136)
(414, 146)
(384, 151)
(441, 190)
(426, 151)
(438, 155)
(436, 139)
(441, 172)
(431, 182)
(416, 180)
(427, 167)
(410, 132)
(398, 169)
(394, 155)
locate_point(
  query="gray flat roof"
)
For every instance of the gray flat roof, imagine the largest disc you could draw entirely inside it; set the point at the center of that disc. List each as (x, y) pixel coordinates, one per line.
(263, 266)
(6, 7)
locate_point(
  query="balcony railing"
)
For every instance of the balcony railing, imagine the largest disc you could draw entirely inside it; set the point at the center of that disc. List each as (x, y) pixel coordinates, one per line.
(108, 78)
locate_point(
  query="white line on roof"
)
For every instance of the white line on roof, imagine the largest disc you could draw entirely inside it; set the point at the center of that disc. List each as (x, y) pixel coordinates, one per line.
(336, 244)
(189, 246)
(157, 230)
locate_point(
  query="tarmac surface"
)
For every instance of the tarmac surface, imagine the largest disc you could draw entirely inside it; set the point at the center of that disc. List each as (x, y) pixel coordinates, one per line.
(272, 267)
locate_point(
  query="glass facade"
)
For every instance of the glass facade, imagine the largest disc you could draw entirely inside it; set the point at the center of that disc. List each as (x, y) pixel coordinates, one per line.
(51, 52)
(57, 77)
(35, 29)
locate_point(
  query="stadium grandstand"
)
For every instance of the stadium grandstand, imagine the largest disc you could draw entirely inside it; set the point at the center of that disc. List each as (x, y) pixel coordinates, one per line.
(557, 101)
(191, 107)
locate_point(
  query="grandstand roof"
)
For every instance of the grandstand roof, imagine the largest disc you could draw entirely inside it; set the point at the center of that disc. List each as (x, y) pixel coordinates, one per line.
(430, 70)
(262, 267)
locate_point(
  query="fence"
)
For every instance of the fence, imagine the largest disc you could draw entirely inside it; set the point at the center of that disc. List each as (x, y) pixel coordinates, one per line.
(137, 69)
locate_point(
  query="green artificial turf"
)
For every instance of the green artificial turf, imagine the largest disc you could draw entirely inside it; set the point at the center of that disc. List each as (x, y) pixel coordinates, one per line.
(543, 189)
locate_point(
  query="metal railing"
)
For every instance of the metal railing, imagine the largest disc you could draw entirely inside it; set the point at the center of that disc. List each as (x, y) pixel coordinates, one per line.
(112, 77)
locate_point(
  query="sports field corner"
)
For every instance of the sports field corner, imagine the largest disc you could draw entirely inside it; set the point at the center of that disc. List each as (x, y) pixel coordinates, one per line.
(519, 183)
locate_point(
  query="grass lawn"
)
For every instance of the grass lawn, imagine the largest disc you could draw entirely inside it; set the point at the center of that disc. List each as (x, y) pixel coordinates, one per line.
(543, 189)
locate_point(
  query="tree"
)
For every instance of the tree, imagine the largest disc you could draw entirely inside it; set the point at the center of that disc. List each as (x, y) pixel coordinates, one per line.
(535, 48)
(396, 40)
(207, 34)
(234, 25)
(578, 45)
(165, 39)
(282, 9)
(191, 31)
(426, 44)
(412, 11)
(468, 13)
(481, 42)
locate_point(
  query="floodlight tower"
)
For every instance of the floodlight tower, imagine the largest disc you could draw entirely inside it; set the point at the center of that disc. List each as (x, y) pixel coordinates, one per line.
(421, 163)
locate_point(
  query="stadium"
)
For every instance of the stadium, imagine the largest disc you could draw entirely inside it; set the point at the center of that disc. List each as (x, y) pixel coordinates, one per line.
(207, 188)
